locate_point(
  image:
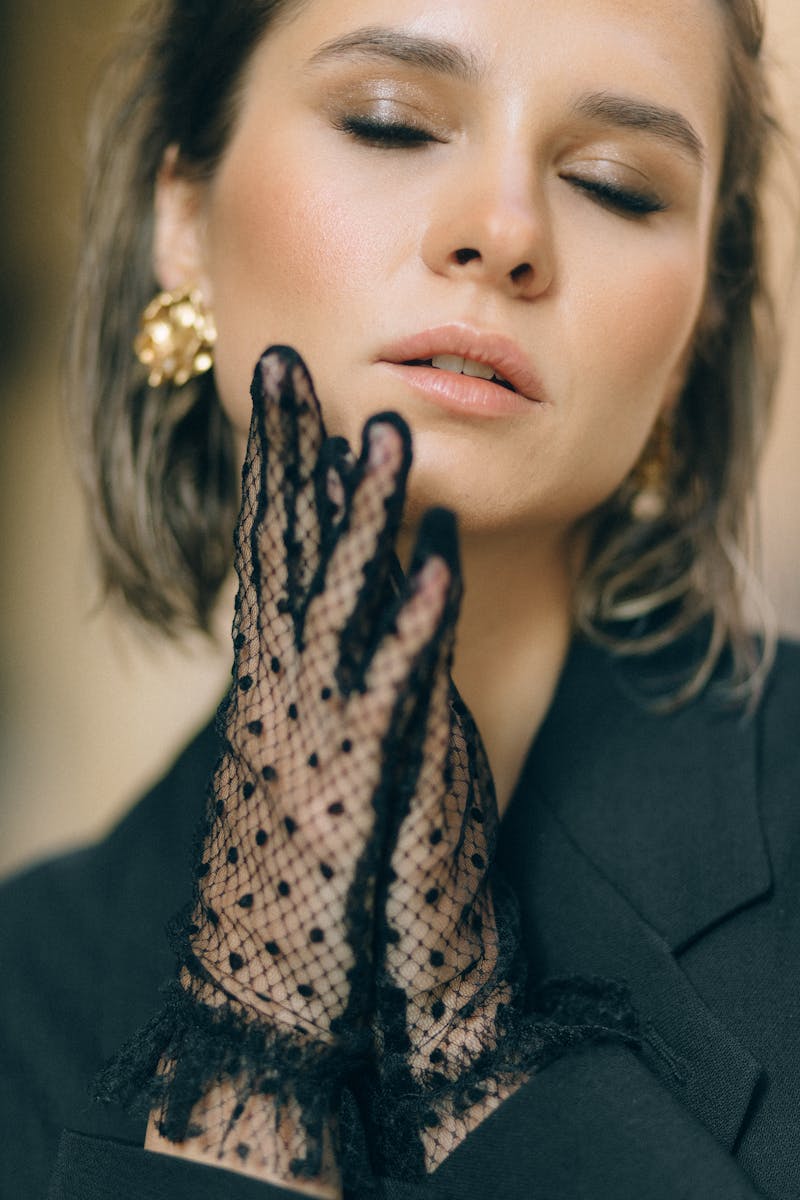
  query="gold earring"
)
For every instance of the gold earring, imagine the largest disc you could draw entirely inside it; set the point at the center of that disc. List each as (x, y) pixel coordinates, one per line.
(650, 476)
(176, 338)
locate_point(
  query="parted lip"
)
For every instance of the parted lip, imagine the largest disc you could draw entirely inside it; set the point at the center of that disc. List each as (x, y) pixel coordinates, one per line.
(495, 350)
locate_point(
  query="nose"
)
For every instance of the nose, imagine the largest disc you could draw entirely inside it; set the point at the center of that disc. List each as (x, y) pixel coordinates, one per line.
(492, 229)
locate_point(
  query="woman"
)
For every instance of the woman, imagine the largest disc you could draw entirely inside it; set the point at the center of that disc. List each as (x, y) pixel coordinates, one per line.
(529, 234)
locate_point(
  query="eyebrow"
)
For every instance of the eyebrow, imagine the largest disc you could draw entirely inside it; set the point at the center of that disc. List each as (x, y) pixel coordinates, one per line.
(429, 54)
(446, 58)
(629, 113)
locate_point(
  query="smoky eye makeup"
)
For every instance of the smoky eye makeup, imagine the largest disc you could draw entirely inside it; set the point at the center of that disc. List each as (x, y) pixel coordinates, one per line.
(631, 174)
(389, 134)
(626, 191)
(387, 125)
(395, 112)
(627, 201)
(388, 111)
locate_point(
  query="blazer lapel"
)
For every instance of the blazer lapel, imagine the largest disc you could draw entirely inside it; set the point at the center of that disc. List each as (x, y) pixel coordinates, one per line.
(629, 835)
(665, 806)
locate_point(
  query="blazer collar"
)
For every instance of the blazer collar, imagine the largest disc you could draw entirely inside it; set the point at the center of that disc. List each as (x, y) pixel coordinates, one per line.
(664, 805)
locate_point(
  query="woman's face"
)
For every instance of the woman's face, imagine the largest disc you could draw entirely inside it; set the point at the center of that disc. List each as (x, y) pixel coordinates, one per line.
(528, 184)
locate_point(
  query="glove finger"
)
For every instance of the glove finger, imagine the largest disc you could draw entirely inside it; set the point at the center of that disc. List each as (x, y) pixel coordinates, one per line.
(334, 483)
(307, 428)
(246, 559)
(398, 678)
(384, 581)
(348, 606)
(424, 902)
(289, 535)
(440, 807)
(434, 581)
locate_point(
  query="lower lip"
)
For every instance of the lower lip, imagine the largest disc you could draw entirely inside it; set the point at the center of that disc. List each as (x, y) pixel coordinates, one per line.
(462, 393)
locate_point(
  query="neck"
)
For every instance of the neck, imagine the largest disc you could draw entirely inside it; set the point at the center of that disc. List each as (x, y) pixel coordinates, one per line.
(513, 636)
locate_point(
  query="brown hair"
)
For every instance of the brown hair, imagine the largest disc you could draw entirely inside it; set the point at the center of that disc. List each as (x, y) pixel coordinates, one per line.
(159, 464)
(646, 583)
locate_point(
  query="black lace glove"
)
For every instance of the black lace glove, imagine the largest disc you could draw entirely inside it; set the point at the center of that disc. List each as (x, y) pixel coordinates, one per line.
(453, 1038)
(271, 1011)
(453, 1032)
(346, 928)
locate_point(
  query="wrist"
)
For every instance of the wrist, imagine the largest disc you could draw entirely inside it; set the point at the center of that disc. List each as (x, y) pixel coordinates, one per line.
(253, 1139)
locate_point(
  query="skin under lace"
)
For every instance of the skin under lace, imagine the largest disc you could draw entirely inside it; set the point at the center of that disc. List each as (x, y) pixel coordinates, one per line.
(348, 948)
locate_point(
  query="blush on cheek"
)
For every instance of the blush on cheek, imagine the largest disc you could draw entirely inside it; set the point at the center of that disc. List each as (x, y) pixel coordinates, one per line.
(660, 319)
(638, 366)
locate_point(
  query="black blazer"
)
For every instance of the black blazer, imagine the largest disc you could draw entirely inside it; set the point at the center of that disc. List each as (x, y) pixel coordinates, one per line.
(662, 851)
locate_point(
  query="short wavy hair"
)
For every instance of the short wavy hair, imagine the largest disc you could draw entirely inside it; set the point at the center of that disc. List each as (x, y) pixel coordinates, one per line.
(159, 464)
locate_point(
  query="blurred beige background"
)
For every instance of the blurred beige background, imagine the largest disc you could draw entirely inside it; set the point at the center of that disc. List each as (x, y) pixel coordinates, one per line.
(90, 713)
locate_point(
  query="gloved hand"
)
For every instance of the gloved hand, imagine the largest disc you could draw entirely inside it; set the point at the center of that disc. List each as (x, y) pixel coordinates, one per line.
(448, 1019)
(453, 1034)
(346, 923)
(276, 985)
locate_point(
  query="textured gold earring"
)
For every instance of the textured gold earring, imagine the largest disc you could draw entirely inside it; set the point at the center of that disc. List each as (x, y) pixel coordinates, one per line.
(650, 476)
(176, 338)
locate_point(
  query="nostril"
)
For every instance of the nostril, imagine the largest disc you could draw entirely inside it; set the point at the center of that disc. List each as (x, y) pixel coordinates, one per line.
(465, 256)
(522, 273)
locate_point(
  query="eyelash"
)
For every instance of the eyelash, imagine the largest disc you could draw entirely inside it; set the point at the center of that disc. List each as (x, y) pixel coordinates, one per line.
(391, 135)
(630, 204)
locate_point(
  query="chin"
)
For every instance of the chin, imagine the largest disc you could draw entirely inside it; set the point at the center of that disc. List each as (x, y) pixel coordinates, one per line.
(476, 511)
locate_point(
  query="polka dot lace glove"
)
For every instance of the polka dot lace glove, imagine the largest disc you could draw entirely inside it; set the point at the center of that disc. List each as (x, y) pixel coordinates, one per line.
(272, 1008)
(453, 1036)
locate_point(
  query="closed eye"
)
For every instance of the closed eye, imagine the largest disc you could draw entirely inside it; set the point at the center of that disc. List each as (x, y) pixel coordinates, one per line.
(400, 135)
(622, 200)
(387, 134)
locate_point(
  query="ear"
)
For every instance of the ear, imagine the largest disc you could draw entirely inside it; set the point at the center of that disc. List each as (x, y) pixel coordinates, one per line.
(179, 229)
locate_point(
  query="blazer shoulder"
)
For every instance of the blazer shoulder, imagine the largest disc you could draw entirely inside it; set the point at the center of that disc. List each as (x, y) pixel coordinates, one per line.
(778, 757)
(74, 921)
(779, 711)
(782, 692)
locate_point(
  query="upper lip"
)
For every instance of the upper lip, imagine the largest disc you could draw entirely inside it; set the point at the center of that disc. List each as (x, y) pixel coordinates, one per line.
(496, 350)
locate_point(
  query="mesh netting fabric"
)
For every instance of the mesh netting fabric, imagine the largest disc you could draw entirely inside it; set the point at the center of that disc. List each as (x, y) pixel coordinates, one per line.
(452, 1033)
(347, 935)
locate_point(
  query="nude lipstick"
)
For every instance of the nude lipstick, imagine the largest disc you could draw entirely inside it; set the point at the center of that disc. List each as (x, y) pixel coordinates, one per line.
(466, 370)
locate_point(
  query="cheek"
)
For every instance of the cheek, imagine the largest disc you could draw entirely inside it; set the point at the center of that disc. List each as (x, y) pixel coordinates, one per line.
(657, 319)
(627, 355)
(641, 304)
(279, 263)
(644, 326)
